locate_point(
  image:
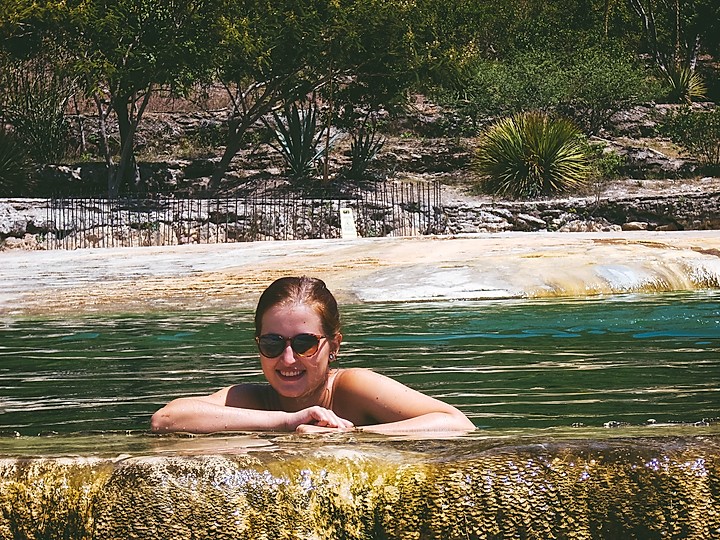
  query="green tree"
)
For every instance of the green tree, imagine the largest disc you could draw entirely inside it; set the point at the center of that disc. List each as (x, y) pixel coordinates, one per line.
(128, 50)
(36, 81)
(122, 52)
(355, 55)
(675, 33)
(263, 62)
(374, 52)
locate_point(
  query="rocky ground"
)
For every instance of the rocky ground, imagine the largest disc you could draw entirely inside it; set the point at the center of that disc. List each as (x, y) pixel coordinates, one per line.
(179, 150)
(657, 187)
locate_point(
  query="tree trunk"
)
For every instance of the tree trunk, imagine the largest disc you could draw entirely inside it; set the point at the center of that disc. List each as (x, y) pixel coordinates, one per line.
(112, 187)
(128, 172)
(236, 131)
(125, 168)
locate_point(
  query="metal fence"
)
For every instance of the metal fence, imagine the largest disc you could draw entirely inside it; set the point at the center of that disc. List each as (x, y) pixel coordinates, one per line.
(388, 209)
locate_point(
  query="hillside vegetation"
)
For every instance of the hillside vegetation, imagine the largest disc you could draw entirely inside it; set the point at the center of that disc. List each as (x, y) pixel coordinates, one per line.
(526, 97)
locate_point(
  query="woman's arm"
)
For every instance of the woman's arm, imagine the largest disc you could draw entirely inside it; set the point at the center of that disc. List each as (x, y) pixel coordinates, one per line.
(236, 408)
(389, 406)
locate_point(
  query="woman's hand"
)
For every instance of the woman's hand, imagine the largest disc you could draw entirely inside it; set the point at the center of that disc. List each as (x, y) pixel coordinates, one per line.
(315, 419)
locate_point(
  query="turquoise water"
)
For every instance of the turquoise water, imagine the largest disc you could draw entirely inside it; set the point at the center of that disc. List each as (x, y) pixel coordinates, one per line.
(507, 364)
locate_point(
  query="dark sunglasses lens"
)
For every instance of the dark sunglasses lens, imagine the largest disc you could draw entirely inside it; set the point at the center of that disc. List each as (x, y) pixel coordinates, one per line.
(271, 345)
(305, 344)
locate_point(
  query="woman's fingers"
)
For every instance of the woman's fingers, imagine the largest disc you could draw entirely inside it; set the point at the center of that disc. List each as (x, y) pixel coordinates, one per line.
(322, 417)
(305, 429)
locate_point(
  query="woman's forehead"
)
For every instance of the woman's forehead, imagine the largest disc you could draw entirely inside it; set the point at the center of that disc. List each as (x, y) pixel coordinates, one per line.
(292, 315)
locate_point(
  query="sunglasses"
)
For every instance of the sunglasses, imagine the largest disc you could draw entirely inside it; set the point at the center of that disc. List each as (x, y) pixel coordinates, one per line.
(273, 345)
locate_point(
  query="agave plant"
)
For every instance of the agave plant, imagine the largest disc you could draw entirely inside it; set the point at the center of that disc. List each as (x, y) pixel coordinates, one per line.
(531, 154)
(364, 147)
(298, 139)
(685, 85)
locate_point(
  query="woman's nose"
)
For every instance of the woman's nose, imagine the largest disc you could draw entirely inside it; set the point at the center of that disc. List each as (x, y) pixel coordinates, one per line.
(287, 355)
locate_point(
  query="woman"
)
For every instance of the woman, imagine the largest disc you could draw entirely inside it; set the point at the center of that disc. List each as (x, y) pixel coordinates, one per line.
(297, 330)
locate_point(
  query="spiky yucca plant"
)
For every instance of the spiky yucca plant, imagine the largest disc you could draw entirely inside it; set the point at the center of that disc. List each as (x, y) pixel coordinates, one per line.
(531, 154)
(365, 144)
(685, 85)
(297, 139)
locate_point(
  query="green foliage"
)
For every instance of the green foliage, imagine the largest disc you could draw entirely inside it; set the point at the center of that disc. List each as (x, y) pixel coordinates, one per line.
(696, 132)
(129, 49)
(36, 93)
(267, 57)
(684, 85)
(597, 83)
(587, 85)
(13, 165)
(605, 164)
(357, 56)
(364, 147)
(532, 154)
(298, 139)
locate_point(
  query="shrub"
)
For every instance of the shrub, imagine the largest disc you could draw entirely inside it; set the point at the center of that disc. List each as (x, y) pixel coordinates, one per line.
(605, 164)
(588, 85)
(532, 154)
(599, 83)
(697, 133)
(13, 165)
(35, 100)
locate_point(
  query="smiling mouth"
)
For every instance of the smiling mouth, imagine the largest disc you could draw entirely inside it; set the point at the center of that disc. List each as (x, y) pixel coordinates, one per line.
(290, 374)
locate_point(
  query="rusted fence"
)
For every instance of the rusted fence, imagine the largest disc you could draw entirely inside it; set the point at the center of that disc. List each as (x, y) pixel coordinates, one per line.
(388, 209)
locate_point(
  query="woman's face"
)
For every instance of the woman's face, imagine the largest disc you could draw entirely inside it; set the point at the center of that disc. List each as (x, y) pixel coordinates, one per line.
(291, 375)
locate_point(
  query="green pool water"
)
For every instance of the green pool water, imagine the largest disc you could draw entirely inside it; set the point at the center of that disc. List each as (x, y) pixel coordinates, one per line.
(509, 365)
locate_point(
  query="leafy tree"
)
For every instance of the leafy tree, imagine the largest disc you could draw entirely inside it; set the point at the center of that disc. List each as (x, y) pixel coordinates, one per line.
(123, 52)
(675, 33)
(354, 55)
(36, 81)
(128, 50)
(263, 62)
(376, 51)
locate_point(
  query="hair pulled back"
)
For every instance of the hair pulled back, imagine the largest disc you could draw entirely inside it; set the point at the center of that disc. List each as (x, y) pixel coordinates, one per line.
(304, 291)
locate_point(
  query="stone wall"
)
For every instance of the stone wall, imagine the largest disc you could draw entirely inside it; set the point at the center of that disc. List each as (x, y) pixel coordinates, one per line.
(24, 223)
(699, 211)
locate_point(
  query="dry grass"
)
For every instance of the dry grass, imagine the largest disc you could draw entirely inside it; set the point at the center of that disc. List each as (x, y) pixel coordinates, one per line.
(214, 98)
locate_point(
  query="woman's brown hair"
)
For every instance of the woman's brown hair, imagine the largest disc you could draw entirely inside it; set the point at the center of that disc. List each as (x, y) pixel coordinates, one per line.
(300, 290)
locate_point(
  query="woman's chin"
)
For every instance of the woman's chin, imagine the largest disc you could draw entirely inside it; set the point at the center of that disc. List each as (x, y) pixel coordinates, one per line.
(290, 386)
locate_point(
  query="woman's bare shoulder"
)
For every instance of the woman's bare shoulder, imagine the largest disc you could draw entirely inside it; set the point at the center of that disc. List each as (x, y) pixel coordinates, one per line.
(365, 379)
(245, 396)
